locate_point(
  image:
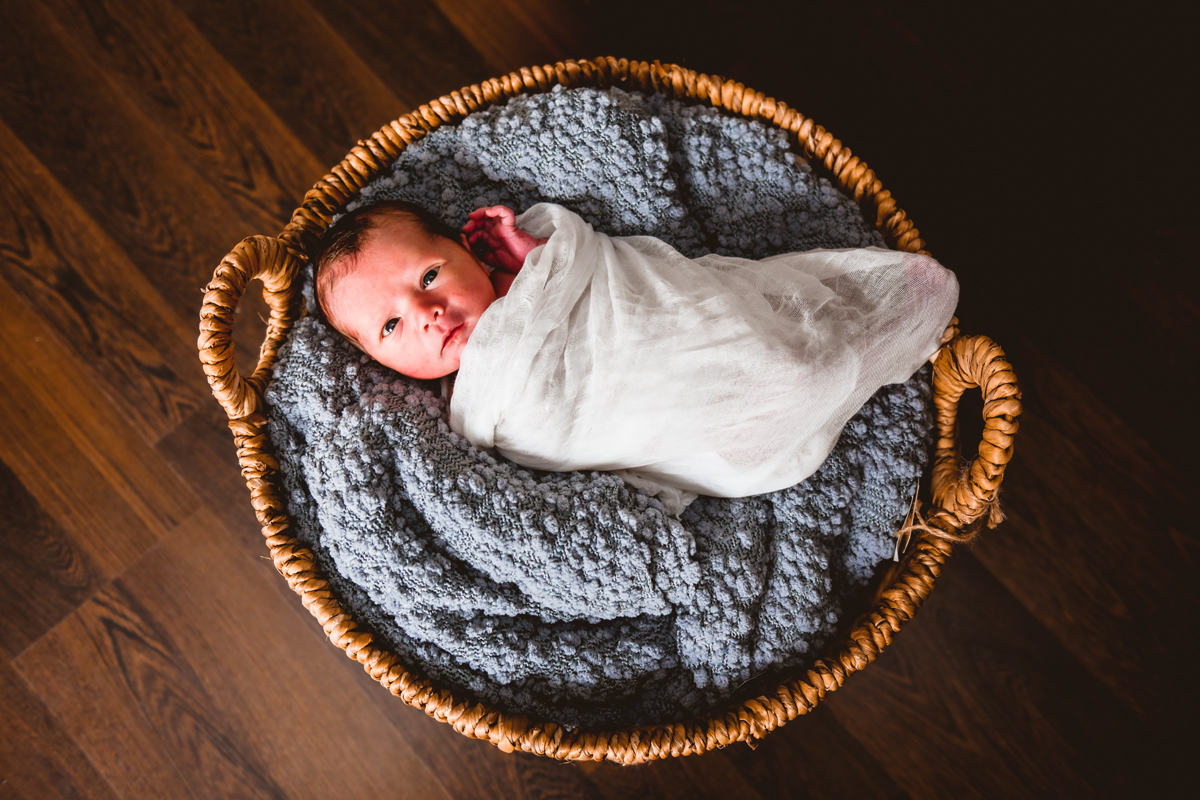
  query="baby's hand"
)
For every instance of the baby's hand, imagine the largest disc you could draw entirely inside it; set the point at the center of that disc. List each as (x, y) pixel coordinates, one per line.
(494, 236)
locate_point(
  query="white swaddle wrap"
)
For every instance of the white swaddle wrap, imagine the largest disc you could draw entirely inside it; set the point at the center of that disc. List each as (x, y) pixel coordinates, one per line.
(717, 376)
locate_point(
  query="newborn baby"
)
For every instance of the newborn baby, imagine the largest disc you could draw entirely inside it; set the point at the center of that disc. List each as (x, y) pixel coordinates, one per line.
(407, 289)
(580, 351)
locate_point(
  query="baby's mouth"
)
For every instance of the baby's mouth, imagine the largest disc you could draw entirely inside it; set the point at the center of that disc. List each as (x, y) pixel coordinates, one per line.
(451, 335)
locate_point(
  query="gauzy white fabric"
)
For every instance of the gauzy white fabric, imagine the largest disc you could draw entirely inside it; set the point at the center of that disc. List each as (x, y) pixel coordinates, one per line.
(717, 376)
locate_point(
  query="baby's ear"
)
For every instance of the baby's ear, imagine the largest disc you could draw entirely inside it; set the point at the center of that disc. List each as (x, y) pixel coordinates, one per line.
(467, 246)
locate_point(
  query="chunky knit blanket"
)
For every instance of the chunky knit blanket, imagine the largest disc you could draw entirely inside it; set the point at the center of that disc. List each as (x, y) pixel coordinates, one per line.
(574, 597)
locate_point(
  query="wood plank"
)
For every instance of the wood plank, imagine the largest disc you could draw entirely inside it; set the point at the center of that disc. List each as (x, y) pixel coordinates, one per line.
(470, 769)
(976, 699)
(202, 453)
(813, 757)
(87, 468)
(1166, 346)
(473, 769)
(93, 298)
(121, 168)
(538, 777)
(44, 575)
(116, 679)
(393, 40)
(38, 761)
(312, 79)
(710, 775)
(202, 108)
(510, 35)
(1099, 544)
(1132, 338)
(223, 688)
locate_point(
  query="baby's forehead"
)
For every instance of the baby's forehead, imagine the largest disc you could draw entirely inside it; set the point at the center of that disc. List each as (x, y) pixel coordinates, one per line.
(401, 223)
(397, 235)
(387, 234)
(395, 230)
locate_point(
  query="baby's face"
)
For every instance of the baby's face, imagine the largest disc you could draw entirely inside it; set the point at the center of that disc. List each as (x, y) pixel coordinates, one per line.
(410, 300)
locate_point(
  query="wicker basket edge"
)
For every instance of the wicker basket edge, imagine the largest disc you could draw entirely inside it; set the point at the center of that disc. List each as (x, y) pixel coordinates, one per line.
(961, 502)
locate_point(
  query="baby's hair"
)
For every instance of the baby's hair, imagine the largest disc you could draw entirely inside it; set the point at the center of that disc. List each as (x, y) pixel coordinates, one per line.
(345, 238)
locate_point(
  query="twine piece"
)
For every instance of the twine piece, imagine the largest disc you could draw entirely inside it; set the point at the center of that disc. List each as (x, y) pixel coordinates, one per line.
(918, 522)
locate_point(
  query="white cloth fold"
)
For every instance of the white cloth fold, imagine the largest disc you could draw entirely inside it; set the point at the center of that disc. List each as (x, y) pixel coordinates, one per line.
(717, 376)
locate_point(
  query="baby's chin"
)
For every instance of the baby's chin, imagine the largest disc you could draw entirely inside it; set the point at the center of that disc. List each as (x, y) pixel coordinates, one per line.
(432, 373)
(426, 375)
(442, 374)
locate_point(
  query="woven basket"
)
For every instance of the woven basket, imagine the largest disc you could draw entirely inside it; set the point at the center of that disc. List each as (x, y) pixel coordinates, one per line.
(963, 497)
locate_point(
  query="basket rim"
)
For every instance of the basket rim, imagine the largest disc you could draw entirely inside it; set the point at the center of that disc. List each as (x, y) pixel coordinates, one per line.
(963, 499)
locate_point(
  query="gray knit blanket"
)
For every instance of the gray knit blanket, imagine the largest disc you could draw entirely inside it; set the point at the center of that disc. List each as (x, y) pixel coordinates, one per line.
(574, 597)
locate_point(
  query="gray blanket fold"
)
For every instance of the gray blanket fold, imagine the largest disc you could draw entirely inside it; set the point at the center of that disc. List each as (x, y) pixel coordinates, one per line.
(574, 597)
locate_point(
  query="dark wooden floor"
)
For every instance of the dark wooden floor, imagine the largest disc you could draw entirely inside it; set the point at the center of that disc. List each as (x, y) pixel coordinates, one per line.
(149, 650)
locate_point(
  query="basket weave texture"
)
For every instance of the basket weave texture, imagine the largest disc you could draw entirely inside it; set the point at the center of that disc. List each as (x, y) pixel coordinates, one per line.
(964, 498)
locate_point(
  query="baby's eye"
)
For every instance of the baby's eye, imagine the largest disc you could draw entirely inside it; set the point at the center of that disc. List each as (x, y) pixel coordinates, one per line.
(428, 277)
(390, 325)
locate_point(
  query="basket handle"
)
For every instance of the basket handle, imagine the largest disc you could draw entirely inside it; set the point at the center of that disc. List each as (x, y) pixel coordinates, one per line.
(269, 260)
(962, 496)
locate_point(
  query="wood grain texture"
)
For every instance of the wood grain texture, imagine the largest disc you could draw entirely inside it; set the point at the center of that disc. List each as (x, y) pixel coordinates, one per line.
(38, 760)
(74, 452)
(817, 758)
(173, 224)
(676, 779)
(210, 117)
(393, 39)
(1101, 546)
(310, 77)
(981, 701)
(210, 715)
(44, 575)
(137, 706)
(147, 647)
(510, 35)
(198, 452)
(92, 298)
(469, 768)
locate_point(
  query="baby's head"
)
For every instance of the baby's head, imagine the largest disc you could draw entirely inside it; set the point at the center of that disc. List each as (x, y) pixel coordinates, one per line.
(403, 286)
